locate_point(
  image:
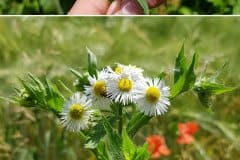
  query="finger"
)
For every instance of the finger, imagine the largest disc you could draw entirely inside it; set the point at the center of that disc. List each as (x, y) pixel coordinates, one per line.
(114, 7)
(154, 3)
(89, 7)
(131, 7)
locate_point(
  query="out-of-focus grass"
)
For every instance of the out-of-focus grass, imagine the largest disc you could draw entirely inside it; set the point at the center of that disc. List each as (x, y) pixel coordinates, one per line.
(50, 46)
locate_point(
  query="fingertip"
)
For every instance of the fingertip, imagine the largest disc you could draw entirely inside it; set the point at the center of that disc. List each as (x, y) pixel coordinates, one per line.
(114, 7)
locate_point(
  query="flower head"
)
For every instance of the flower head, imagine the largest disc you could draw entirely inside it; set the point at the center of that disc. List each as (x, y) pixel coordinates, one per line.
(152, 97)
(97, 90)
(123, 83)
(157, 146)
(186, 132)
(76, 114)
(133, 71)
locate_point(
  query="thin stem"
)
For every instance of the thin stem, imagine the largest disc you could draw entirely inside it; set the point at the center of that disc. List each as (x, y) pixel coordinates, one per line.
(40, 7)
(120, 121)
(59, 7)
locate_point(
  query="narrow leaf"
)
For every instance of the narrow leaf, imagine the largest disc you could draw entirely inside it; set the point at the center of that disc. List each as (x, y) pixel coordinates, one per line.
(180, 64)
(138, 121)
(127, 146)
(144, 5)
(92, 63)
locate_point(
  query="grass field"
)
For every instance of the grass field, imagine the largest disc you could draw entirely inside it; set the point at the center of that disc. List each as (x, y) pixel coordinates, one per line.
(49, 46)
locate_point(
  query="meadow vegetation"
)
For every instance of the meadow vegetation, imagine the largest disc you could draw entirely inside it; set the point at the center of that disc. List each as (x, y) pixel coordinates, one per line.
(51, 46)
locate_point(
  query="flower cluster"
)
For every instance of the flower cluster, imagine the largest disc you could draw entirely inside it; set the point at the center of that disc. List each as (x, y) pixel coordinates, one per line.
(186, 132)
(124, 85)
(157, 145)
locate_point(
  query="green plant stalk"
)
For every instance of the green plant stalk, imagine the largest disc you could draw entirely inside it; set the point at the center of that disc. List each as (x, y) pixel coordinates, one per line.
(40, 7)
(120, 121)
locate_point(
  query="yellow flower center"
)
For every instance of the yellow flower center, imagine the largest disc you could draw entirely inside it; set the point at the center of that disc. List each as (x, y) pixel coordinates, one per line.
(153, 94)
(76, 111)
(100, 88)
(118, 70)
(125, 84)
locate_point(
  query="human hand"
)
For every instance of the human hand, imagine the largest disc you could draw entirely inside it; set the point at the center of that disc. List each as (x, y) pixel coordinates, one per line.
(117, 7)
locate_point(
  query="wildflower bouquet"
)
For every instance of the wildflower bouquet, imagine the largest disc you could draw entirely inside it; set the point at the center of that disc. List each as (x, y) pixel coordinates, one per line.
(110, 105)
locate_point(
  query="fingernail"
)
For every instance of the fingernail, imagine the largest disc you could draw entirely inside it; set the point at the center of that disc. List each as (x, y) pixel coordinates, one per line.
(131, 7)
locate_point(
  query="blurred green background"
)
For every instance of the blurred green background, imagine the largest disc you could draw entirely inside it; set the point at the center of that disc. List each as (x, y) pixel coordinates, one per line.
(49, 46)
(169, 7)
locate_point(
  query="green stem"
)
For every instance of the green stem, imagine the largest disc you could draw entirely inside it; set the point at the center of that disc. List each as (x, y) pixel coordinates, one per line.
(120, 121)
(40, 7)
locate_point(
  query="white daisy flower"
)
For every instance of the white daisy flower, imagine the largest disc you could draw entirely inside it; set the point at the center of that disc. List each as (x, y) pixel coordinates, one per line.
(76, 114)
(152, 97)
(133, 71)
(123, 81)
(97, 90)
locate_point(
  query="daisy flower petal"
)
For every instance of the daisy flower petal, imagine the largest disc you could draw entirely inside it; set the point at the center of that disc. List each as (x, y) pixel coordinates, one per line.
(97, 91)
(123, 83)
(76, 114)
(152, 97)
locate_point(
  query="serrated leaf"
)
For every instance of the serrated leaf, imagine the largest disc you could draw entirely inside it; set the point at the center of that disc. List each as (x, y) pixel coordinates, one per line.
(144, 5)
(97, 133)
(95, 137)
(92, 63)
(114, 143)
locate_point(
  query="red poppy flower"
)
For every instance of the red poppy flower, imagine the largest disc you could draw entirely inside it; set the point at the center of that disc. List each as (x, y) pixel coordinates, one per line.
(187, 130)
(157, 146)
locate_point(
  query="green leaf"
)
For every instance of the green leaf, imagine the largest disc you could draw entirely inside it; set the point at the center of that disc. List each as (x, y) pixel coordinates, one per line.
(144, 5)
(130, 150)
(187, 78)
(36, 93)
(206, 89)
(82, 80)
(97, 133)
(215, 88)
(204, 97)
(92, 63)
(102, 153)
(180, 64)
(127, 146)
(190, 75)
(114, 142)
(138, 121)
(142, 153)
(53, 97)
